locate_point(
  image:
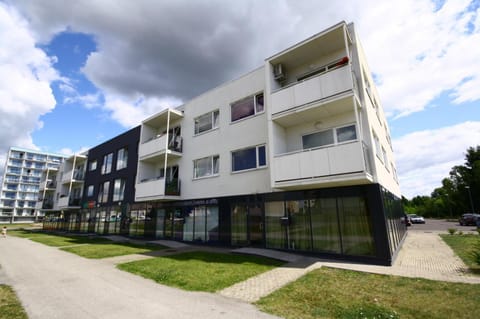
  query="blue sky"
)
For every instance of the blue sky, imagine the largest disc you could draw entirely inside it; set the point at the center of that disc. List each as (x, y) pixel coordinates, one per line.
(79, 74)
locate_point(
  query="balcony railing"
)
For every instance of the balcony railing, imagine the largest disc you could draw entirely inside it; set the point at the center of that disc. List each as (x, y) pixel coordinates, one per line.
(320, 162)
(157, 145)
(312, 89)
(157, 188)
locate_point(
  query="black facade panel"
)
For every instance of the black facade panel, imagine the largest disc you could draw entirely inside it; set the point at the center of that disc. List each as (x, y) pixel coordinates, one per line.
(130, 140)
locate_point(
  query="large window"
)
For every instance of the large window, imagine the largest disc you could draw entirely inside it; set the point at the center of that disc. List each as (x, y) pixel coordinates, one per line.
(329, 137)
(103, 192)
(207, 122)
(118, 189)
(122, 158)
(107, 163)
(207, 166)
(247, 107)
(249, 158)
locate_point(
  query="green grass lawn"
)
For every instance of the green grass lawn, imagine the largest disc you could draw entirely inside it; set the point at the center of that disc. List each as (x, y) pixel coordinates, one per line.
(109, 249)
(463, 246)
(10, 306)
(335, 293)
(201, 271)
(56, 240)
(87, 246)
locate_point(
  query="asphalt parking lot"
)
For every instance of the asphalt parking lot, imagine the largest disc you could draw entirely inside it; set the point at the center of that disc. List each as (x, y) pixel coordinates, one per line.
(440, 225)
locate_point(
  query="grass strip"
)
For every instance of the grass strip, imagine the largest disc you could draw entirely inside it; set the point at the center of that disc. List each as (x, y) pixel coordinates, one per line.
(10, 306)
(106, 250)
(336, 293)
(464, 246)
(201, 271)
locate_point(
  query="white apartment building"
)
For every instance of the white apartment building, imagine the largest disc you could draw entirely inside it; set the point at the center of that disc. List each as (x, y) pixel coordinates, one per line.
(295, 155)
(21, 183)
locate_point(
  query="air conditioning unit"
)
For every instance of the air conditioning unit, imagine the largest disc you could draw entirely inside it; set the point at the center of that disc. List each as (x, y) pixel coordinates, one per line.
(278, 73)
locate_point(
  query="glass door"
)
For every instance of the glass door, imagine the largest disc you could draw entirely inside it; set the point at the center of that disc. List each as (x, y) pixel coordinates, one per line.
(255, 226)
(246, 225)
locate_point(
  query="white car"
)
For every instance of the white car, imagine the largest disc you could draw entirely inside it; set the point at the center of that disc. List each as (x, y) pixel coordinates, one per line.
(415, 219)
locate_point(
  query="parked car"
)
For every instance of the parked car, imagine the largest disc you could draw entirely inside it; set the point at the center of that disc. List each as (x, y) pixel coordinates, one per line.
(469, 219)
(415, 219)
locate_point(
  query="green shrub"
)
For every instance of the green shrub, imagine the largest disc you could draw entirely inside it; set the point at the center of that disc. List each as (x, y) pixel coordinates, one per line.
(452, 231)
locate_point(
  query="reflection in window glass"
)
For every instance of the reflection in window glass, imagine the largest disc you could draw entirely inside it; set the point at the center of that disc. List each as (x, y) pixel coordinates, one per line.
(239, 224)
(346, 133)
(122, 158)
(249, 158)
(206, 122)
(208, 166)
(259, 107)
(318, 139)
(212, 223)
(107, 163)
(247, 107)
(325, 225)
(118, 189)
(299, 225)
(275, 232)
(355, 227)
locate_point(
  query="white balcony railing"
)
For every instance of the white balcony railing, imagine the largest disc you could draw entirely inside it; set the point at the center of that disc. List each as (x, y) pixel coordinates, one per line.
(320, 162)
(150, 189)
(312, 89)
(152, 147)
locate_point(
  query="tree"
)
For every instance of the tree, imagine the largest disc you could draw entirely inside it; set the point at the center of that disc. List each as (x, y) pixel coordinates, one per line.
(453, 198)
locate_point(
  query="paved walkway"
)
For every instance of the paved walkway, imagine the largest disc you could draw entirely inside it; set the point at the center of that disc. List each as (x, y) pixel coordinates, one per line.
(52, 284)
(55, 284)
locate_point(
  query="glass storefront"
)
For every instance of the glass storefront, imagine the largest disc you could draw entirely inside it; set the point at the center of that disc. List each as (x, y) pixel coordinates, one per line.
(363, 221)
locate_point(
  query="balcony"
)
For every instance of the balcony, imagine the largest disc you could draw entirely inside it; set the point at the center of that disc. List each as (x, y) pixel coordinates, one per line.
(327, 166)
(319, 88)
(156, 189)
(67, 202)
(157, 147)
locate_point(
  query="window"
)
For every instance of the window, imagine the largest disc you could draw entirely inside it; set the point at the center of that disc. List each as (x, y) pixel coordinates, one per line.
(118, 189)
(122, 158)
(347, 133)
(103, 192)
(207, 122)
(318, 139)
(330, 137)
(107, 163)
(93, 165)
(247, 107)
(378, 148)
(385, 158)
(90, 190)
(249, 158)
(207, 166)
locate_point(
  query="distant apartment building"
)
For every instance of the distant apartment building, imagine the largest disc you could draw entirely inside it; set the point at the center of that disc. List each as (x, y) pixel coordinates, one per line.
(295, 155)
(22, 181)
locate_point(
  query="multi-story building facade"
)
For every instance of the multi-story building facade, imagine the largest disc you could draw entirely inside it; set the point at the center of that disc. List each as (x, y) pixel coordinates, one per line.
(96, 195)
(295, 155)
(22, 182)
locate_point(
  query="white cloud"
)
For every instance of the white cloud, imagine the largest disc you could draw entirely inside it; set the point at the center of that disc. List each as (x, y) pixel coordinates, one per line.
(25, 76)
(154, 54)
(424, 158)
(132, 112)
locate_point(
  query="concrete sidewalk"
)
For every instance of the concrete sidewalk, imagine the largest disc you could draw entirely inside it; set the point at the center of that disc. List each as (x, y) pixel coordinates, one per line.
(423, 255)
(55, 284)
